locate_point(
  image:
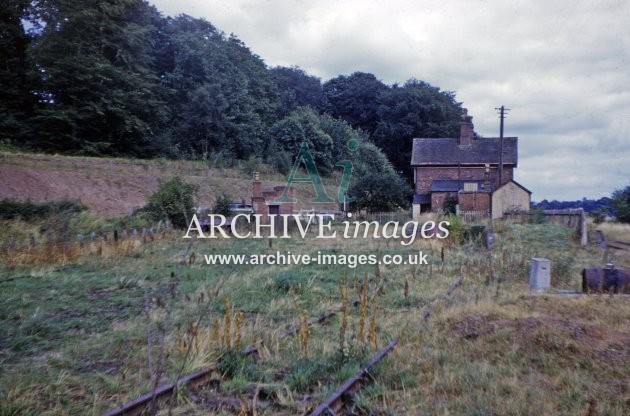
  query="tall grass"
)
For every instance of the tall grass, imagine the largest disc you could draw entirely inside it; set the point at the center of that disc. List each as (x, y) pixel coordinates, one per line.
(489, 347)
(615, 231)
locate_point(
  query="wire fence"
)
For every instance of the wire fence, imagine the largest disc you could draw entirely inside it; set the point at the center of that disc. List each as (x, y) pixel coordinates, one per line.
(382, 217)
(53, 248)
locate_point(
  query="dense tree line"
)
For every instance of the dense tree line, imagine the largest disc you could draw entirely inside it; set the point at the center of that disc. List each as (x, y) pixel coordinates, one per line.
(604, 205)
(617, 206)
(117, 78)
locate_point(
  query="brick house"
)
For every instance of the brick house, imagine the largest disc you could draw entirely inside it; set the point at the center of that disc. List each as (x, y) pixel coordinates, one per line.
(466, 168)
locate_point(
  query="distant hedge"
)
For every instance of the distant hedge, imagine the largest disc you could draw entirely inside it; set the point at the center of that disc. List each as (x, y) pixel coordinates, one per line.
(30, 211)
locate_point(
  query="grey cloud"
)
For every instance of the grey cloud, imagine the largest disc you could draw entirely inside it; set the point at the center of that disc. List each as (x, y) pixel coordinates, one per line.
(560, 66)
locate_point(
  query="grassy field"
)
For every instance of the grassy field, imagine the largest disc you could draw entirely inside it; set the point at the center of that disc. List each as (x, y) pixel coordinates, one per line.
(83, 329)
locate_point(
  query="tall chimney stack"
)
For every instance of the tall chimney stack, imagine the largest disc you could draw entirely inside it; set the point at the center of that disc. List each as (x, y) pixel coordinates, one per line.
(466, 129)
(256, 186)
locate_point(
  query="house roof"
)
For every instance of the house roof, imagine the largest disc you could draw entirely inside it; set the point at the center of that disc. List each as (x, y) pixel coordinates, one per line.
(422, 199)
(517, 184)
(451, 185)
(449, 152)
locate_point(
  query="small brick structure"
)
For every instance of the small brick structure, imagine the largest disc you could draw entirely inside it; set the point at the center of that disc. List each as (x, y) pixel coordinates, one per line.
(264, 201)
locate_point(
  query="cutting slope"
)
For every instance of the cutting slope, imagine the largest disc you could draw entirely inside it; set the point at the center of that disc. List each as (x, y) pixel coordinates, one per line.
(113, 187)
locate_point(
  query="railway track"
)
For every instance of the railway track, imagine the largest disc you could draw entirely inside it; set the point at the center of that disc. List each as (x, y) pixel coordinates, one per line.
(335, 403)
(202, 377)
(619, 245)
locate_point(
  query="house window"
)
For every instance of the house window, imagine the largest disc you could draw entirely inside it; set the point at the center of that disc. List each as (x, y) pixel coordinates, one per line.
(470, 186)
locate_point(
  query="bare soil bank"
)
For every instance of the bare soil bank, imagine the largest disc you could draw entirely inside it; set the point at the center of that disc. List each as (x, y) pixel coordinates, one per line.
(114, 187)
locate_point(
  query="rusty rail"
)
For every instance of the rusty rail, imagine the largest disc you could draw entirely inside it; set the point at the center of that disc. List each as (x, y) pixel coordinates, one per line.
(620, 245)
(137, 406)
(335, 401)
(201, 377)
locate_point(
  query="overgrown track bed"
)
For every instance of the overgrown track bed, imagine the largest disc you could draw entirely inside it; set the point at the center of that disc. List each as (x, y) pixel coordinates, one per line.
(198, 379)
(102, 331)
(337, 401)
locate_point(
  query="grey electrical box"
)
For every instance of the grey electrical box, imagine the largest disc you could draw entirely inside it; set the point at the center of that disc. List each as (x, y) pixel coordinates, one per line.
(539, 275)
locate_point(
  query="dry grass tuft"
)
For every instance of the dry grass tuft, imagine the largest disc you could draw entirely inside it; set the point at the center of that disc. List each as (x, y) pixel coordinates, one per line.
(615, 231)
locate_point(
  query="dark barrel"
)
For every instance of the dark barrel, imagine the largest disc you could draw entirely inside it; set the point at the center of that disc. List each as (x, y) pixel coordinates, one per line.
(605, 280)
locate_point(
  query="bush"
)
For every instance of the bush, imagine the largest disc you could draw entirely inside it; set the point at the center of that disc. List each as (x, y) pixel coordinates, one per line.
(450, 204)
(621, 202)
(222, 205)
(174, 200)
(32, 211)
(537, 216)
(251, 165)
(376, 192)
(456, 228)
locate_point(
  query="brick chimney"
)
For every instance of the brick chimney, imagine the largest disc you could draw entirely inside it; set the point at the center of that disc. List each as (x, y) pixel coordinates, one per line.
(466, 129)
(256, 186)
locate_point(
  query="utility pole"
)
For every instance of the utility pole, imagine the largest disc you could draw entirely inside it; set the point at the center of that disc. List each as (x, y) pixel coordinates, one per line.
(502, 112)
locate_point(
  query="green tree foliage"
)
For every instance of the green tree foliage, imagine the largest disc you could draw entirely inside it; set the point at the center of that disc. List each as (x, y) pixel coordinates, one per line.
(174, 200)
(117, 78)
(380, 192)
(298, 89)
(330, 140)
(393, 116)
(99, 93)
(416, 109)
(355, 98)
(604, 205)
(303, 126)
(16, 101)
(621, 203)
(221, 95)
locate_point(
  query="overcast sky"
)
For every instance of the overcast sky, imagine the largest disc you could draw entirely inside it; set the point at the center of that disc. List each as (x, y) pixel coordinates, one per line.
(562, 67)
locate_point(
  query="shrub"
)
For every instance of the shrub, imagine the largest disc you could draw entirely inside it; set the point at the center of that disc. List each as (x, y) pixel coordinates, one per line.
(621, 202)
(450, 204)
(598, 216)
(456, 228)
(537, 216)
(33, 211)
(376, 192)
(222, 205)
(173, 200)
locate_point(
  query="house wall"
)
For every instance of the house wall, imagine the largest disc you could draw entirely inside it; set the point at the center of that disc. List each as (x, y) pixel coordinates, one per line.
(437, 199)
(426, 174)
(474, 201)
(509, 197)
